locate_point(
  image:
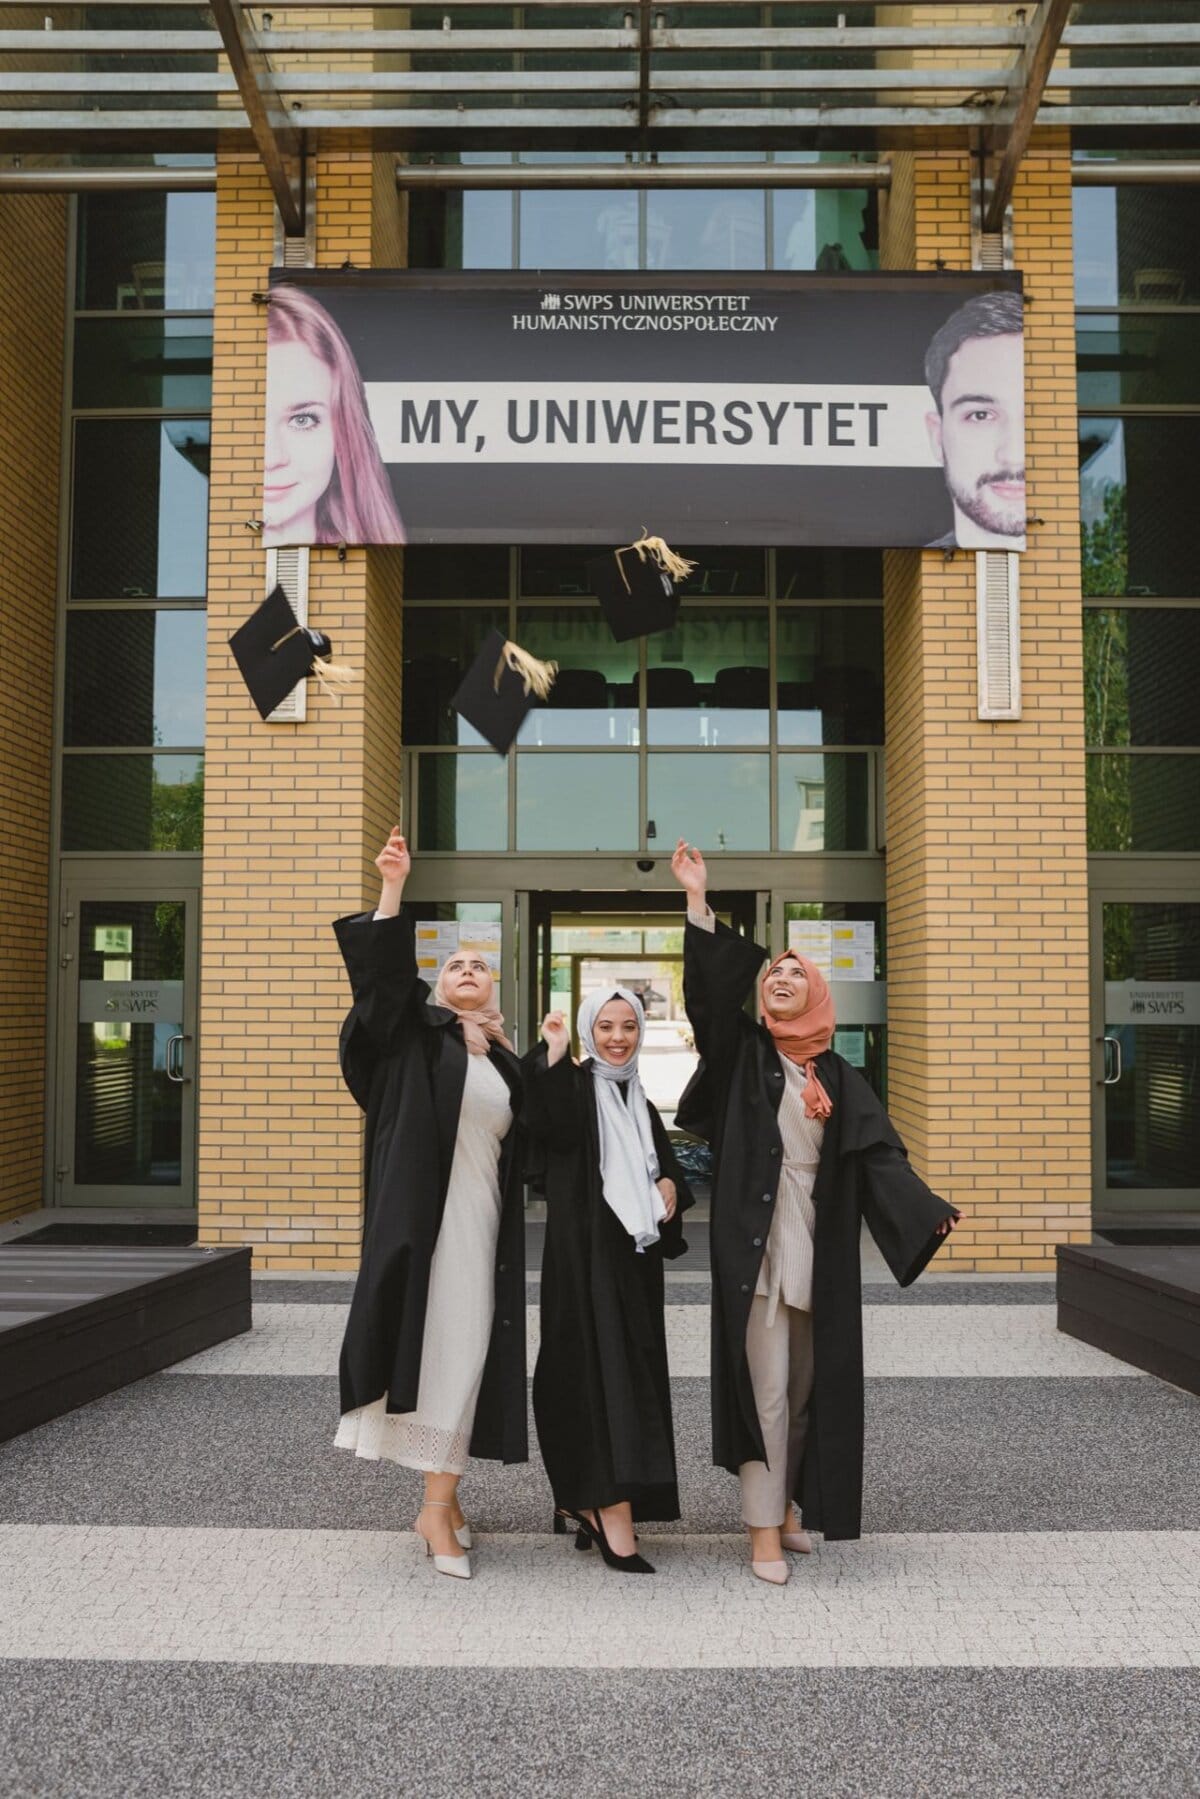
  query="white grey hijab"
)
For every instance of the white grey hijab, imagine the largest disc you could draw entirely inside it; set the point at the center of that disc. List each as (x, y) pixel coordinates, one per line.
(628, 1162)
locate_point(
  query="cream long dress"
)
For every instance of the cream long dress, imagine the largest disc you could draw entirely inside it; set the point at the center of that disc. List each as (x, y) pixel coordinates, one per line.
(458, 1319)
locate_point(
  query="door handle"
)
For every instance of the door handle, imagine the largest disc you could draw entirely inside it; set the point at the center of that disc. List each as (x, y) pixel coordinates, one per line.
(174, 1062)
(1110, 1080)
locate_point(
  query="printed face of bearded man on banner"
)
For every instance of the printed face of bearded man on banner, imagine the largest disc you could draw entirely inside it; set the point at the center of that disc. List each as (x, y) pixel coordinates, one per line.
(975, 367)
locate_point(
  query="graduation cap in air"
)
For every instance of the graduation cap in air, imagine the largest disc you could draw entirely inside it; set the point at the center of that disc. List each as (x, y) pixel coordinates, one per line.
(501, 686)
(274, 652)
(637, 587)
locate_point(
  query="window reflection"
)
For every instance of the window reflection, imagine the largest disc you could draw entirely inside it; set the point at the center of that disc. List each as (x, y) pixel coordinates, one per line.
(824, 803)
(594, 698)
(1142, 359)
(708, 679)
(150, 362)
(462, 802)
(1136, 494)
(134, 677)
(1137, 244)
(133, 803)
(577, 802)
(439, 647)
(720, 801)
(830, 666)
(1141, 669)
(141, 252)
(569, 230)
(140, 508)
(707, 229)
(1145, 803)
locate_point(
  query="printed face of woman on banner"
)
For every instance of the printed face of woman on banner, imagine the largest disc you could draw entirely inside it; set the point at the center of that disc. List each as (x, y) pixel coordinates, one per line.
(323, 479)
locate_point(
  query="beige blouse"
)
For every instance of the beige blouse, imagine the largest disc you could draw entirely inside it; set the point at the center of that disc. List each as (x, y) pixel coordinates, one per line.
(787, 1264)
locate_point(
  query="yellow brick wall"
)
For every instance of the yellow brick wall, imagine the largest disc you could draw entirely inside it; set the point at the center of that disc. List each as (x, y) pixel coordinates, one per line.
(988, 1042)
(33, 242)
(294, 814)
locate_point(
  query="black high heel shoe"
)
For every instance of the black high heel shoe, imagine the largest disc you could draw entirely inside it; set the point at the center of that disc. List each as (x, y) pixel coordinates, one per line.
(582, 1540)
(623, 1564)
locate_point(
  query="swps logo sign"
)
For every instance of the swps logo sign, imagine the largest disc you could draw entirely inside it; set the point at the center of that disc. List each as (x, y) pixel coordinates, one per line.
(551, 302)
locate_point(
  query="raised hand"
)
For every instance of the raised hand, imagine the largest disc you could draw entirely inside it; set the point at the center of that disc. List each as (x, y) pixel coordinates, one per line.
(687, 865)
(395, 865)
(556, 1036)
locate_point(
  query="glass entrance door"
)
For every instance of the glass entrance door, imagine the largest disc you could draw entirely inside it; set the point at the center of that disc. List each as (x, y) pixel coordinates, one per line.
(126, 1117)
(1146, 1007)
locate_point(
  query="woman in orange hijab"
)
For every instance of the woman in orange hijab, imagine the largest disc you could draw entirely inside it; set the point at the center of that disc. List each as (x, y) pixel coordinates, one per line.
(803, 1153)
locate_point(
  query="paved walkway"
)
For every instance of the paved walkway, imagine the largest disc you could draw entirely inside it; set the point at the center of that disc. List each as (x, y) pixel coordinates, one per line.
(199, 1596)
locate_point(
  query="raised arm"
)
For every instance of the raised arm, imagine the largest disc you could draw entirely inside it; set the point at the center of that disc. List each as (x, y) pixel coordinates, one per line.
(380, 954)
(719, 966)
(551, 1110)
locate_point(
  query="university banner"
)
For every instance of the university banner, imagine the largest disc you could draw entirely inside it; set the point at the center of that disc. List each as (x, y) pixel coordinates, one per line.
(846, 409)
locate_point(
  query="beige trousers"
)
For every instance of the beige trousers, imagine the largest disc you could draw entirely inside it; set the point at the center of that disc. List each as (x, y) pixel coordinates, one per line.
(781, 1373)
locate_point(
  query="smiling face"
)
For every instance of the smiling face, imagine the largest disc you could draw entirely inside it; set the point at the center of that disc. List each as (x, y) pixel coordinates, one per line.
(466, 982)
(979, 433)
(300, 459)
(615, 1032)
(785, 990)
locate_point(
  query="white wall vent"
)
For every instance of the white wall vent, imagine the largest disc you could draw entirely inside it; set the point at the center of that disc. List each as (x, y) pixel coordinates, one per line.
(998, 633)
(288, 568)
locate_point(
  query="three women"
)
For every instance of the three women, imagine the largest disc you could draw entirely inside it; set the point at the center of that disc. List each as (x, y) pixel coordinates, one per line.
(433, 1362)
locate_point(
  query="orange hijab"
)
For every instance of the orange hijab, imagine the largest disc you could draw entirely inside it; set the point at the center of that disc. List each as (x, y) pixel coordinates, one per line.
(803, 1038)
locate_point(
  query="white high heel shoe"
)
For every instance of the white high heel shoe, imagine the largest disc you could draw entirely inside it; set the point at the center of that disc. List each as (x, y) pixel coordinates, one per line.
(457, 1566)
(465, 1539)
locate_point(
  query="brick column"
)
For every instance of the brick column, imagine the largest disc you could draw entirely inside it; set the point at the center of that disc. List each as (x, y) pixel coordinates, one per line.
(294, 814)
(33, 262)
(989, 1076)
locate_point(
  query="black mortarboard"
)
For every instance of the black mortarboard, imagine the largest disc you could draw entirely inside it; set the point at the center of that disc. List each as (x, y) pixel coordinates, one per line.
(637, 587)
(500, 688)
(275, 652)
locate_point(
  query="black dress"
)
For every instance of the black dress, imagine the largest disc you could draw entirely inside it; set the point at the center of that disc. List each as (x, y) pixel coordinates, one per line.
(601, 1389)
(405, 1062)
(733, 1101)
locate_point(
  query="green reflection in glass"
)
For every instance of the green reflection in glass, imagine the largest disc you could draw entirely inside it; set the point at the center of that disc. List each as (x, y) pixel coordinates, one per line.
(707, 679)
(830, 669)
(824, 803)
(133, 803)
(594, 698)
(462, 802)
(1136, 480)
(1141, 675)
(1146, 803)
(718, 800)
(577, 802)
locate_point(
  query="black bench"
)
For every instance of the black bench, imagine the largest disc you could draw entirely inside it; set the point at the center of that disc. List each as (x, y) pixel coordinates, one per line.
(1138, 1301)
(79, 1321)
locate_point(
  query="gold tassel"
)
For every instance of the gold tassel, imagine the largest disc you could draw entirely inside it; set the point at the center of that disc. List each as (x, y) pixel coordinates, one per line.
(663, 556)
(537, 676)
(330, 676)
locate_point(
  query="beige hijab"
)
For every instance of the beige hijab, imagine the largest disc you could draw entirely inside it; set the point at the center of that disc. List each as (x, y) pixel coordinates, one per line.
(482, 1025)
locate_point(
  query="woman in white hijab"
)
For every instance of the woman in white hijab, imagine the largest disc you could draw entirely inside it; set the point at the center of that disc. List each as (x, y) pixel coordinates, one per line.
(614, 1194)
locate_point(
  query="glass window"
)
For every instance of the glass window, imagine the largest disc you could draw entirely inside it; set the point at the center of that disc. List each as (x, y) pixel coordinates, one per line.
(1152, 1122)
(1146, 803)
(553, 570)
(708, 680)
(1139, 245)
(830, 665)
(458, 572)
(861, 1036)
(143, 362)
(708, 228)
(140, 508)
(732, 573)
(583, 229)
(471, 230)
(1142, 675)
(125, 803)
(577, 802)
(146, 252)
(833, 230)
(594, 698)
(440, 644)
(1138, 359)
(462, 802)
(721, 801)
(824, 803)
(135, 677)
(1137, 506)
(846, 574)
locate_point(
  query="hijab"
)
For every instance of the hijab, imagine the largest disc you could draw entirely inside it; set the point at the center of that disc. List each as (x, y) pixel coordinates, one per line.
(628, 1160)
(803, 1038)
(481, 1025)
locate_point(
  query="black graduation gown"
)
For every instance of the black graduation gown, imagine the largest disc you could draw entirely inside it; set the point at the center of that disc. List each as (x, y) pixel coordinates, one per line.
(405, 1062)
(601, 1388)
(733, 1101)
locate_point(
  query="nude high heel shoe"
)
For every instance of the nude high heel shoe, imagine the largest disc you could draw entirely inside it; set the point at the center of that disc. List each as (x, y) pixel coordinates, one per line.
(457, 1566)
(465, 1539)
(775, 1573)
(796, 1539)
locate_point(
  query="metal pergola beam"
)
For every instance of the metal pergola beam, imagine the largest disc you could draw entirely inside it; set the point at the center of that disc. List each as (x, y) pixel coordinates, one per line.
(1019, 112)
(504, 177)
(275, 138)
